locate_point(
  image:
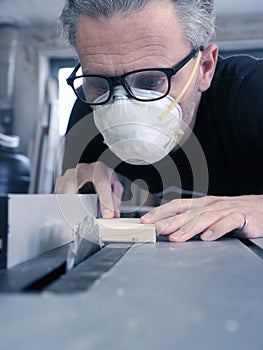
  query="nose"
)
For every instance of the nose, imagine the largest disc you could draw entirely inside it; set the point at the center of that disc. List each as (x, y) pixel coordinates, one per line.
(119, 93)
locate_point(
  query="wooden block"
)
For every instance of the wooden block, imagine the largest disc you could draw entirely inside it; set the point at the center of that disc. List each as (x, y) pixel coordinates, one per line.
(126, 230)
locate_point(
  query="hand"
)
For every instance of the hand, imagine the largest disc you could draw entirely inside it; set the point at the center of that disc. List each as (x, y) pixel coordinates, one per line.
(212, 217)
(105, 180)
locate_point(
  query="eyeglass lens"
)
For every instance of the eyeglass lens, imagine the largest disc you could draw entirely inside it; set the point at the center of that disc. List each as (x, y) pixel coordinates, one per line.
(96, 86)
(92, 88)
(149, 80)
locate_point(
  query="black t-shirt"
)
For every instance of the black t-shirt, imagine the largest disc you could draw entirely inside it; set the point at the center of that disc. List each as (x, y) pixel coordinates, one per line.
(224, 155)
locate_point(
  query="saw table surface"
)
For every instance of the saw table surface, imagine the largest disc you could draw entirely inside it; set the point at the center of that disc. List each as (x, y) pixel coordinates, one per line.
(195, 295)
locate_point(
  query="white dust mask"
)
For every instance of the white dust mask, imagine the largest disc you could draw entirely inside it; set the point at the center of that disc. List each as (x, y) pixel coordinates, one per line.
(137, 132)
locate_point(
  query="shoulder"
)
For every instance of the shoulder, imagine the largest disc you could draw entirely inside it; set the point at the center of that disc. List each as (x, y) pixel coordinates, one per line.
(242, 76)
(237, 66)
(241, 72)
(234, 104)
(237, 79)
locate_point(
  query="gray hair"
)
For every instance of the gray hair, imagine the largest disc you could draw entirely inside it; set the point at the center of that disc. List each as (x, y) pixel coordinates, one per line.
(197, 16)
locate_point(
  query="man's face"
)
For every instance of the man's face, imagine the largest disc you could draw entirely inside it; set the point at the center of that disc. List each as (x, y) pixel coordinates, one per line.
(151, 38)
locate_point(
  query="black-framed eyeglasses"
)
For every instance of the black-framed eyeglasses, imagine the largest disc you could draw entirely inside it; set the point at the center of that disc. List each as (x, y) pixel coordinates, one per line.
(95, 89)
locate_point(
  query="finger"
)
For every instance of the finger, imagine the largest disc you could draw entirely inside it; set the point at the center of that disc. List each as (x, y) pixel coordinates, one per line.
(172, 208)
(117, 191)
(104, 180)
(107, 206)
(103, 183)
(84, 174)
(223, 226)
(170, 225)
(162, 212)
(66, 184)
(195, 224)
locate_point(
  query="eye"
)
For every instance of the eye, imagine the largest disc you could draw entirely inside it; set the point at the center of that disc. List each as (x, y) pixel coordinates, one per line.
(96, 84)
(148, 80)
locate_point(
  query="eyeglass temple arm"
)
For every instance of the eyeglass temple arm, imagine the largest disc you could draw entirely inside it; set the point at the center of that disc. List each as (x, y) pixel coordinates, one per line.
(187, 59)
(73, 74)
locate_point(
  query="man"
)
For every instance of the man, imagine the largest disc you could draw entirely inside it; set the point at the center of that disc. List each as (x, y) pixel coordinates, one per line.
(201, 125)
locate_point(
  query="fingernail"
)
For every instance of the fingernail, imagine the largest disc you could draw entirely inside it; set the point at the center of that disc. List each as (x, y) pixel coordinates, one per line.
(207, 235)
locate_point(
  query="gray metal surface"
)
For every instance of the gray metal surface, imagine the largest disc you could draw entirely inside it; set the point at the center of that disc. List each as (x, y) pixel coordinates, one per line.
(258, 242)
(194, 295)
(27, 273)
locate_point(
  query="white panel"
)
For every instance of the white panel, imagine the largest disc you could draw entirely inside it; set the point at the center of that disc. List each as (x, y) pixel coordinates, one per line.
(38, 223)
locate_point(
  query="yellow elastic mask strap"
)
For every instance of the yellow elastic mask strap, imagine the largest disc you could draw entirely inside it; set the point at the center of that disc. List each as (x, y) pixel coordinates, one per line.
(178, 133)
(185, 88)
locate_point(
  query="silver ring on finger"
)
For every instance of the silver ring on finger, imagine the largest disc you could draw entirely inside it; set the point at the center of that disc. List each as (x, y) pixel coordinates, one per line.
(244, 226)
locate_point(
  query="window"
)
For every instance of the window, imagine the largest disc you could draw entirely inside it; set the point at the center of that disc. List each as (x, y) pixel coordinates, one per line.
(66, 99)
(60, 69)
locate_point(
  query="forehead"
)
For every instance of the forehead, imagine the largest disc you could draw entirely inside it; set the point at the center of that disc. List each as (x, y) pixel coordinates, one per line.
(151, 35)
